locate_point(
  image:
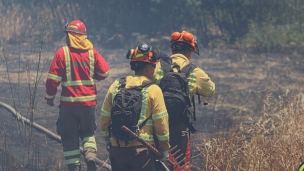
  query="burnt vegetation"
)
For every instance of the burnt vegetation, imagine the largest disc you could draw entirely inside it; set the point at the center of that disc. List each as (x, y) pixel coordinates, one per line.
(252, 51)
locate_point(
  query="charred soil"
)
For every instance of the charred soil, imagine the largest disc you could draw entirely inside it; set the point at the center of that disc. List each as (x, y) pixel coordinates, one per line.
(242, 82)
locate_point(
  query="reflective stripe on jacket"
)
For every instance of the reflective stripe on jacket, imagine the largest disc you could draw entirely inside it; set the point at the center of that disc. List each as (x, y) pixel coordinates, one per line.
(152, 104)
(76, 70)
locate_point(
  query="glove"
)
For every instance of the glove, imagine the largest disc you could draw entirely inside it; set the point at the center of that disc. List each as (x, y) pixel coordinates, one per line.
(108, 145)
(50, 102)
(165, 156)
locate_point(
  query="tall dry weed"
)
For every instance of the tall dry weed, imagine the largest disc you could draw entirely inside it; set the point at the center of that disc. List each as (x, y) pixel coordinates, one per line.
(274, 142)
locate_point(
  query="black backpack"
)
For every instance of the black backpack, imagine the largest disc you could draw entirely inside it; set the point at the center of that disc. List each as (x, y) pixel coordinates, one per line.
(125, 111)
(176, 94)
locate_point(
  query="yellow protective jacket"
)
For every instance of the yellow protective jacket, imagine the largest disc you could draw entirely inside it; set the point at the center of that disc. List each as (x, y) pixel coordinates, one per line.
(198, 81)
(153, 104)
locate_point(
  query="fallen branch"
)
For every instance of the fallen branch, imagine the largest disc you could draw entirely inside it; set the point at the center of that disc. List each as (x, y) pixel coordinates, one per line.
(48, 132)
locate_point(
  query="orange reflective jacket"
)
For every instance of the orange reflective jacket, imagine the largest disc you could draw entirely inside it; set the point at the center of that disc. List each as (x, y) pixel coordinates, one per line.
(76, 70)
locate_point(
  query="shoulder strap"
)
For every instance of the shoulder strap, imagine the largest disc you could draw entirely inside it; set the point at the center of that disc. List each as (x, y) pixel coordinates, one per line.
(187, 69)
(122, 82)
(194, 116)
(147, 84)
(166, 65)
(199, 102)
(165, 61)
(144, 122)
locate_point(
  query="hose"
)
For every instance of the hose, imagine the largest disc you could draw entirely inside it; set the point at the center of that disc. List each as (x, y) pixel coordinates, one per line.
(48, 132)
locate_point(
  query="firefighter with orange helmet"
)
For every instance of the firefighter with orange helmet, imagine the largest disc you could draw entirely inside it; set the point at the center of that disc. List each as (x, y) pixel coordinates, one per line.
(136, 102)
(182, 45)
(76, 67)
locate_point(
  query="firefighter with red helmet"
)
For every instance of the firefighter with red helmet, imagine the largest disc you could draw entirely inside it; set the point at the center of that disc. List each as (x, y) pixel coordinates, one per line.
(182, 45)
(144, 112)
(76, 67)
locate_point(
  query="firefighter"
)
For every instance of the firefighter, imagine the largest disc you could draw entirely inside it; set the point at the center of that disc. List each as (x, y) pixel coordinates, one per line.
(76, 66)
(152, 113)
(182, 45)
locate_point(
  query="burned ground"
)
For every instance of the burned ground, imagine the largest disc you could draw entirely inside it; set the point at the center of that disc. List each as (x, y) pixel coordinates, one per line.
(242, 82)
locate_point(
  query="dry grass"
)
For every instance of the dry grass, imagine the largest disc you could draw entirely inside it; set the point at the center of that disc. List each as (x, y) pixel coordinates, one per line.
(242, 82)
(274, 142)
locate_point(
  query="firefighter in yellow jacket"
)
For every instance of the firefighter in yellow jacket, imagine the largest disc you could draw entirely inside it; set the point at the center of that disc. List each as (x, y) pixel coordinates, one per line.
(147, 111)
(182, 45)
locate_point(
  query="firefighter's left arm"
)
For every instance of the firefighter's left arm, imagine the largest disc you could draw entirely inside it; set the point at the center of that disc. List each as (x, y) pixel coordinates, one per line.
(160, 117)
(55, 76)
(105, 114)
(204, 85)
(101, 67)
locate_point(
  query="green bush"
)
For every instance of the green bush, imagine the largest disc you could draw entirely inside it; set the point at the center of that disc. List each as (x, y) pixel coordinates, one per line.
(269, 38)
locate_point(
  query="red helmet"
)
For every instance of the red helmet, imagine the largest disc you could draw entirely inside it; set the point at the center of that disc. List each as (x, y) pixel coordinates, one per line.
(76, 26)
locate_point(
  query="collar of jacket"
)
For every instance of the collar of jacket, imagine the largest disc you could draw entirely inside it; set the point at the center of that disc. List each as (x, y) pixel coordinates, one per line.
(178, 55)
(135, 80)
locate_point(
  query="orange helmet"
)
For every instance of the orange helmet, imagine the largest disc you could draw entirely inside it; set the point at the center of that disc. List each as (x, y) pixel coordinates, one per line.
(144, 53)
(76, 26)
(185, 37)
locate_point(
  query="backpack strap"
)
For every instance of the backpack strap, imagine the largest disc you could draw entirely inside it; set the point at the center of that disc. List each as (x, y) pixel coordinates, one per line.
(147, 84)
(144, 122)
(156, 142)
(165, 61)
(166, 65)
(199, 99)
(193, 101)
(187, 69)
(122, 82)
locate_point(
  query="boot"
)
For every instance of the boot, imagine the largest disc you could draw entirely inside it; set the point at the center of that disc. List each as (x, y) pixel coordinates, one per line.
(91, 165)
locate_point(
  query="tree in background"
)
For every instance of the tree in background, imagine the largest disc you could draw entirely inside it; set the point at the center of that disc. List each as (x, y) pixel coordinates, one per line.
(263, 25)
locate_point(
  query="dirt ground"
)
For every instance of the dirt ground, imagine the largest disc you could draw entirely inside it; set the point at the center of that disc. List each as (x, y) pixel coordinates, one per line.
(242, 82)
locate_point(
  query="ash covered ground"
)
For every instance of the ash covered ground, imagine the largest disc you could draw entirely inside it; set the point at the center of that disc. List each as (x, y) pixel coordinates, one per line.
(242, 81)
